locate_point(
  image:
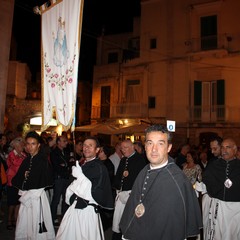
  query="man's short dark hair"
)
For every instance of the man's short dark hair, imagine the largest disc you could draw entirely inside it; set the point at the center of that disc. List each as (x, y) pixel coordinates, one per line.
(33, 134)
(218, 139)
(58, 139)
(159, 128)
(93, 138)
(78, 141)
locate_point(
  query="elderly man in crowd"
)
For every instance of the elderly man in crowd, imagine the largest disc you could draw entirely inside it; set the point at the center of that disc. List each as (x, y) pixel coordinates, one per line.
(131, 164)
(221, 203)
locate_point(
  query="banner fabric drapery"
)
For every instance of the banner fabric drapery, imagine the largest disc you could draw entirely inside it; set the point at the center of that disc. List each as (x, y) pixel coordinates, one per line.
(61, 33)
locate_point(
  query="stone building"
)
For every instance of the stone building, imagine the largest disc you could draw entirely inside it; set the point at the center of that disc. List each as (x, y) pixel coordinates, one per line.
(181, 63)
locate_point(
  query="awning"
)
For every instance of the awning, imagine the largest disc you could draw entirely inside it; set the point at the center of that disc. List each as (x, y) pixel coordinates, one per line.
(136, 129)
(108, 129)
(102, 128)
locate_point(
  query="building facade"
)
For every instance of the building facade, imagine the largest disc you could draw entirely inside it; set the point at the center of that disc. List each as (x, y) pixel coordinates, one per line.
(181, 63)
(23, 100)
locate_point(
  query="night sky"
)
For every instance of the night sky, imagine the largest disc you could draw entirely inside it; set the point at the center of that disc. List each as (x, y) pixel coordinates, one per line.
(115, 16)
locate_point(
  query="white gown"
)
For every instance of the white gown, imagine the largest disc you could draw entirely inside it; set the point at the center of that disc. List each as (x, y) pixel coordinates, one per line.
(32, 212)
(220, 218)
(80, 224)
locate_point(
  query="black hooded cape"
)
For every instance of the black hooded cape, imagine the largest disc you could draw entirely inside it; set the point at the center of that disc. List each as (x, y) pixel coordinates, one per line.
(97, 173)
(40, 173)
(172, 210)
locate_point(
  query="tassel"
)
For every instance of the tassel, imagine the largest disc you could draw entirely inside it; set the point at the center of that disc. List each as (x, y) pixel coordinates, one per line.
(44, 229)
(40, 228)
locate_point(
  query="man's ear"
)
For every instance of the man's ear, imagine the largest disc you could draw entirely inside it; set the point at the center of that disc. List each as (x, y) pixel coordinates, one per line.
(97, 150)
(169, 147)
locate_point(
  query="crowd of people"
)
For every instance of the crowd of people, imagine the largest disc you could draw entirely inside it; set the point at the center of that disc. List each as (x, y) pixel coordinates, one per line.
(61, 189)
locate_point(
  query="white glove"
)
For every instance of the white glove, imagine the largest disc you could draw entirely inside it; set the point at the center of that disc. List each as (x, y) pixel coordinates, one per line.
(200, 187)
(76, 170)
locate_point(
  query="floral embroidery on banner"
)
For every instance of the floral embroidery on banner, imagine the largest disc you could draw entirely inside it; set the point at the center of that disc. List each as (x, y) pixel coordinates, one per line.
(58, 80)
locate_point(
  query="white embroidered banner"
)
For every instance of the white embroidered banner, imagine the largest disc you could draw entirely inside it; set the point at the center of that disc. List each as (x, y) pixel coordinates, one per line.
(61, 33)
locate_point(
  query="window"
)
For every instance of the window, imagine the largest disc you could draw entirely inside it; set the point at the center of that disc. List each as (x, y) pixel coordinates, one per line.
(133, 49)
(105, 101)
(133, 91)
(153, 43)
(151, 102)
(209, 100)
(209, 32)
(112, 57)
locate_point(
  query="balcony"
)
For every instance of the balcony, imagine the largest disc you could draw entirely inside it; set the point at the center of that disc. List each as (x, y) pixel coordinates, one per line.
(214, 42)
(215, 114)
(127, 110)
(207, 114)
(123, 110)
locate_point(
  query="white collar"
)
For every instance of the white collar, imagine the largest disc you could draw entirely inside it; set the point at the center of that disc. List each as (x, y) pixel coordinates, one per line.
(159, 166)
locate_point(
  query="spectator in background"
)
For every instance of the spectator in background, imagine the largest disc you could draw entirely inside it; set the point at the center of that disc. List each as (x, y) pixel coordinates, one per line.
(116, 156)
(238, 153)
(106, 215)
(181, 158)
(140, 149)
(3, 181)
(203, 160)
(44, 143)
(10, 135)
(79, 151)
(191, 169)
(52, 139)
(14, 160)
(3, 158)
(103, 155)
(138, 146)
(4, 149)
(215, 146)
(61, 169)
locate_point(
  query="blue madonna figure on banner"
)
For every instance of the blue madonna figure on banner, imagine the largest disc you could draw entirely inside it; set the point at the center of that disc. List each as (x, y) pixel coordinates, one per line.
(61, 52)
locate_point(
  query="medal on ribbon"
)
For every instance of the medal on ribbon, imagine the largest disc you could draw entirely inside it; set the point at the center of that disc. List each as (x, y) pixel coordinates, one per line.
(139, 210)
(228, 183)
(125, 173)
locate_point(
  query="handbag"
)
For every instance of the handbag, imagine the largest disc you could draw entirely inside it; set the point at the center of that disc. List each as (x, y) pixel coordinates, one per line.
(3, 175)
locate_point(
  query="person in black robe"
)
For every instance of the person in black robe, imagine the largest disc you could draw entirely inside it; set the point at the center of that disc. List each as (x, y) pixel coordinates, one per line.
(162, 204)
(106, 214)
(32, 178)
(221, 202)
(129, 167)
(35, 171)
(101, 192)
(97, 173)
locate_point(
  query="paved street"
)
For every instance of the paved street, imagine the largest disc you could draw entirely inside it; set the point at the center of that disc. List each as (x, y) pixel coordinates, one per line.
(9, 234)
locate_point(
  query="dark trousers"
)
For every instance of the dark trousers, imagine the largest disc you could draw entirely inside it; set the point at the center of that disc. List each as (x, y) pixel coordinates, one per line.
(59, 190)
(117, 236)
